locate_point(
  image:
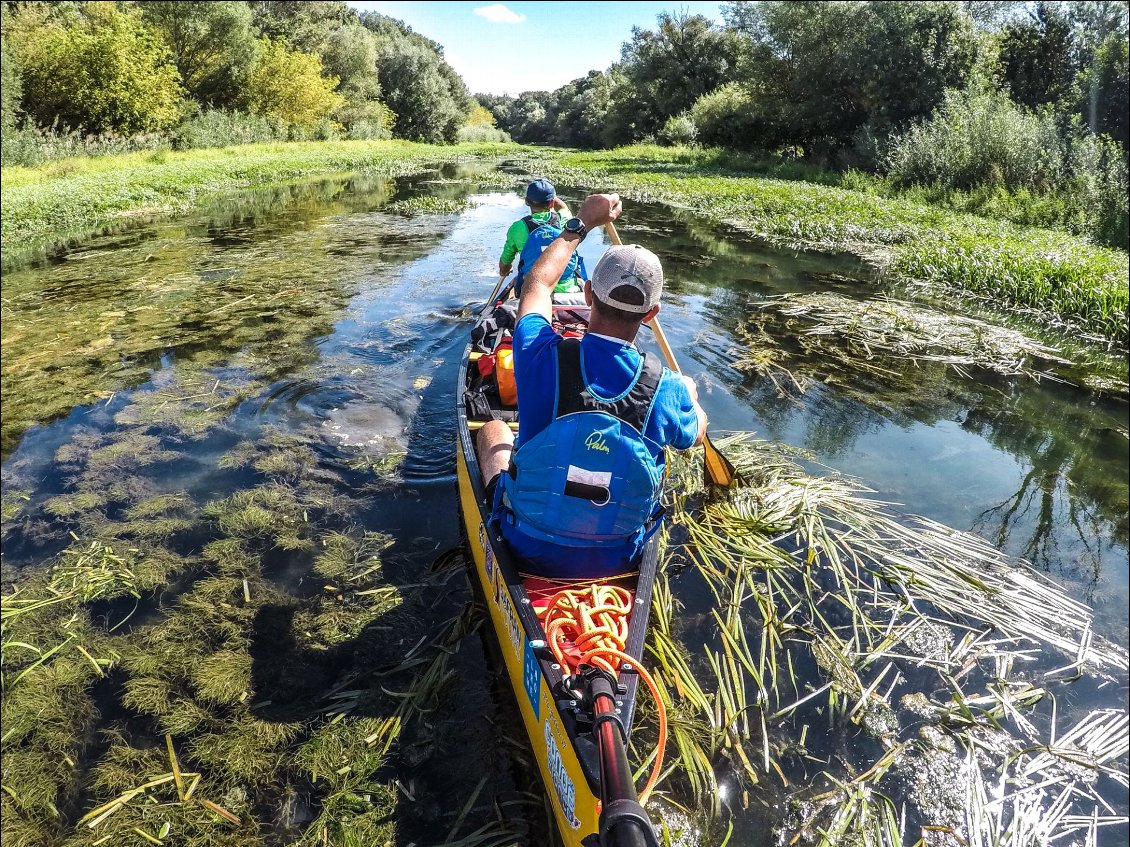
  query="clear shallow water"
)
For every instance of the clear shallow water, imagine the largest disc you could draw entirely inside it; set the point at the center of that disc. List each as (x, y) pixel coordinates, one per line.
(311, 312)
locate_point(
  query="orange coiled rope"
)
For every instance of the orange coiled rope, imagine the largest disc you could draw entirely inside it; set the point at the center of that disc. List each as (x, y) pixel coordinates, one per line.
(595, 620)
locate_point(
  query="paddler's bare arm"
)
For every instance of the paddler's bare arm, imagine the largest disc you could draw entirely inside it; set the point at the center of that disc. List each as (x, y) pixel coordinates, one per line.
(537, 289)
(692, 387)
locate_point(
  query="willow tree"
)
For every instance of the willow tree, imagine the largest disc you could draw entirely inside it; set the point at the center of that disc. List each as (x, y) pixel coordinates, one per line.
(289, 85)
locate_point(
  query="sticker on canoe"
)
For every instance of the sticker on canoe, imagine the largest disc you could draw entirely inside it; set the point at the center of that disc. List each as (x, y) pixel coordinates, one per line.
(509, 616)
(562, 782)
(531, 675)
(488, 551)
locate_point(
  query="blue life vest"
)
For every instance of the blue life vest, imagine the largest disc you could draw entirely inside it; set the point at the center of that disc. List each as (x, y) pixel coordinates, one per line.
(541, 236)
(590, 478)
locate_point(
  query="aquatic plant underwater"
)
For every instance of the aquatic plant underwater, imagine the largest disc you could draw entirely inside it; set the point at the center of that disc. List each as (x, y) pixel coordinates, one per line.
(858, 674)
(244, 663)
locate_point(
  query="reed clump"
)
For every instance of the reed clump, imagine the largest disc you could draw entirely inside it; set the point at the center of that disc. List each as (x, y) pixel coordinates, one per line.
(852, 661)
(859, 335)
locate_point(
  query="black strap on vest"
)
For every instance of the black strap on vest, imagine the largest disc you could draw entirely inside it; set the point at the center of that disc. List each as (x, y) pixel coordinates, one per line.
(573, 396)
(554, 221)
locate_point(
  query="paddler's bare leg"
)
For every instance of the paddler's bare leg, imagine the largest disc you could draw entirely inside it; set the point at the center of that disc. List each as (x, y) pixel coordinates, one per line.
(494, 445)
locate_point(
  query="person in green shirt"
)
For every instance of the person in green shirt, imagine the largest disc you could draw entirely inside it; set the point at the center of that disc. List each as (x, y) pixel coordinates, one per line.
(545, 208)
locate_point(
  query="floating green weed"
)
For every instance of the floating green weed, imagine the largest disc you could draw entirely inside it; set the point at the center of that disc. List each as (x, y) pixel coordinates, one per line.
(51, 655)
(877, 335)
(427, 205)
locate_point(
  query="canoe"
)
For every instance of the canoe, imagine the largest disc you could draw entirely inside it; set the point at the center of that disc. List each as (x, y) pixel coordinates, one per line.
(571, 744)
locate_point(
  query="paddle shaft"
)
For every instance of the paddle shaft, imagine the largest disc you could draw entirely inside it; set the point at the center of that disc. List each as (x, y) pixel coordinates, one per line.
(623, 822)
(493, 294)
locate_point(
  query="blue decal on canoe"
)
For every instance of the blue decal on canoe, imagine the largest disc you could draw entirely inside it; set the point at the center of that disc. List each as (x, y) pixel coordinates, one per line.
(488, 551)
(532, 676)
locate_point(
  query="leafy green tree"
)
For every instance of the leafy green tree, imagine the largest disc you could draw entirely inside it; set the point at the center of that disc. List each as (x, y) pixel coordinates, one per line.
(595, 107)
(989, 14)
(500, 107)
(303, 24)
(103, 70)
(670, 67)
(534, 118)
(212, 43)
(427, 97)
(349, 52)
(802, 79)
(582, 111)
(11, 89)
(479, 115)
(679, 129)
(1101, 29)
(909, 54)
(1096, 20)
(725, 117)
(289, 85)
(1106, 89)
(820, 73)
(624, 119)
(1038, 57)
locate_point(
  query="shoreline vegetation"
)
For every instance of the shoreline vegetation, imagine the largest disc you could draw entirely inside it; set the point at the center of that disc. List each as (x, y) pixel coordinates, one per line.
(1063, 278)
(1068, 279)
(50, 206)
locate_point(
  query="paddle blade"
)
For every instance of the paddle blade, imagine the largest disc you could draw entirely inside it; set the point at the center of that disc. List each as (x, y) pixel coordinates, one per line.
(720, 471)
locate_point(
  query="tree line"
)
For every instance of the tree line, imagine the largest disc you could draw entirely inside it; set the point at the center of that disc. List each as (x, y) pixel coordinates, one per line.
(1025, 97)
(826, 78)
(266, 70)
(1013, 109)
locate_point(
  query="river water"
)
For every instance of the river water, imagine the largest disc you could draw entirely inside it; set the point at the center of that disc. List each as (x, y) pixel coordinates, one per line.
(313, 312)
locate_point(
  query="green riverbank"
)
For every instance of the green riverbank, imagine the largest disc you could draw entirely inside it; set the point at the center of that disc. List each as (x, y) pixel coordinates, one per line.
(47, 206)
(1061, 276)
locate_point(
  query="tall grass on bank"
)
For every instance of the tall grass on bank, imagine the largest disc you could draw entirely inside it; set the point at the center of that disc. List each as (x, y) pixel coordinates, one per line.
(1062, 277)
(74, 198)
(988, 146)
(29, 146)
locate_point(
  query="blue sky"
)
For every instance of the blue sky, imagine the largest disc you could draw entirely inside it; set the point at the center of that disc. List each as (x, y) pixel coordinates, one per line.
(508, 48)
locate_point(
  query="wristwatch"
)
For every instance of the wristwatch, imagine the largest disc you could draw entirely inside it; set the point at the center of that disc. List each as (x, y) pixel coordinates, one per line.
(576, 226)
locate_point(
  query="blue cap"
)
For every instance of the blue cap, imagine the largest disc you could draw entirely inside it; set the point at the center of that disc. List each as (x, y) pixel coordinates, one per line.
(540, 191)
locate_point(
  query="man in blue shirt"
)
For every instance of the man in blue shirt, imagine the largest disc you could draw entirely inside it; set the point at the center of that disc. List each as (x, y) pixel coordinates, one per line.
(577, 496)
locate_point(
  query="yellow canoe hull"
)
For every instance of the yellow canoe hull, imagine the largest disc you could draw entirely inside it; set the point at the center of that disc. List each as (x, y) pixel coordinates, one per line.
(574, 804)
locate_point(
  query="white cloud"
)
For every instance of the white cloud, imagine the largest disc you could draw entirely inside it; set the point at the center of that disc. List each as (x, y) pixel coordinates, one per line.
(499, 14)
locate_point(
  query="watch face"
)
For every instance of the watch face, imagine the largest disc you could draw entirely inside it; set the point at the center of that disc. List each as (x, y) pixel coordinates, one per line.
(574, 225)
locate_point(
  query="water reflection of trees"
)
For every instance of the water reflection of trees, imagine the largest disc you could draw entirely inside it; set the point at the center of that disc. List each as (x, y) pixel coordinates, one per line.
(1077, 478)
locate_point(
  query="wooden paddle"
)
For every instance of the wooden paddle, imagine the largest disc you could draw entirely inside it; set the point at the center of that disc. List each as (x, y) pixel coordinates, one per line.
(493, 294)
(718, 470)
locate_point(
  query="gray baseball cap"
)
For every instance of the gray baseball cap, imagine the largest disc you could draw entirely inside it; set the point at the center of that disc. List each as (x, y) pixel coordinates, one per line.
(628, 277)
